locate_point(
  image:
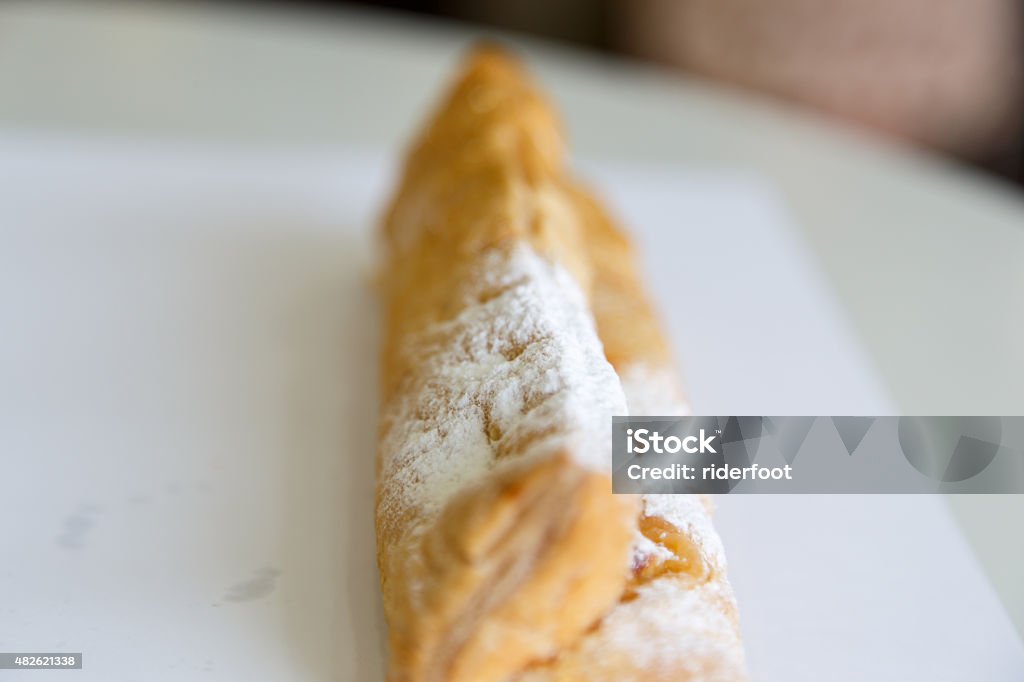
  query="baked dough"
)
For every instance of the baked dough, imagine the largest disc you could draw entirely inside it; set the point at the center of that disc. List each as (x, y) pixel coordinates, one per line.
(503, 553)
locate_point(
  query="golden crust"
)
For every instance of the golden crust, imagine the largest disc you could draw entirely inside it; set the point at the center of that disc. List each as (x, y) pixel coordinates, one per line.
(494, 582)
(524, 572)
(626, 321)
(676, 620)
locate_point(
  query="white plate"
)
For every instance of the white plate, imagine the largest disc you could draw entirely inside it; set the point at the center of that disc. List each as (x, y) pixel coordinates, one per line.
(187, 407)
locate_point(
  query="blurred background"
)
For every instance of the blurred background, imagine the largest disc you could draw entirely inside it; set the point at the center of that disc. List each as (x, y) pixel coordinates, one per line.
(943, 74)
(187, 194)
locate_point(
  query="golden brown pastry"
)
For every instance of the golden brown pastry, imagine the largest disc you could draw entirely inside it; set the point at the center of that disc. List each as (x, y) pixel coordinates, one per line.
(676, 618)
(503, 553)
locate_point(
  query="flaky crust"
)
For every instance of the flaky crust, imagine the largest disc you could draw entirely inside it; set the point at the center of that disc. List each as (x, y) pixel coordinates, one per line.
(676, 624)
(503, 553)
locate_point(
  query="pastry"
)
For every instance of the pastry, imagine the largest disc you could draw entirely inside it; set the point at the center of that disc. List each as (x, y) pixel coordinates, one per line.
(515, 327)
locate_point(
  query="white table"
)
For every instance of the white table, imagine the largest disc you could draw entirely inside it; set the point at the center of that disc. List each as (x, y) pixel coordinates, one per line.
(926, 258)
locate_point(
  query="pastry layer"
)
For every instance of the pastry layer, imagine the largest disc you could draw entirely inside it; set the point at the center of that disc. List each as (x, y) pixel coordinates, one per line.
(499, 542)
(510, 295)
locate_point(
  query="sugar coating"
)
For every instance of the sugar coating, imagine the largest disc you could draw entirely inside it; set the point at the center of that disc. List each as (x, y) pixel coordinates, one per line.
(520, 363)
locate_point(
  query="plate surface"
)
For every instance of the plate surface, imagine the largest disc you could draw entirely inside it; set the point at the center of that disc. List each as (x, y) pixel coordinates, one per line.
(187, 418)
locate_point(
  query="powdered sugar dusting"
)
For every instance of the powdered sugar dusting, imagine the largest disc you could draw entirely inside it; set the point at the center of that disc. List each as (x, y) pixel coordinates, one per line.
(520, 363)
(669, 628)
(645, 549)
(687, 513)
(655, 391)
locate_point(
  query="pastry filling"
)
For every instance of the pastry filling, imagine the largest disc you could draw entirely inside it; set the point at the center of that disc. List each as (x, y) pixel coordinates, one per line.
(679, 554)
